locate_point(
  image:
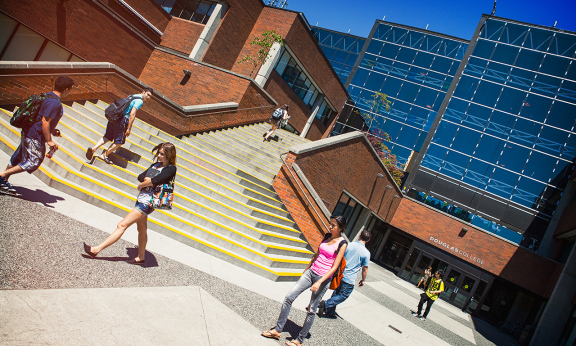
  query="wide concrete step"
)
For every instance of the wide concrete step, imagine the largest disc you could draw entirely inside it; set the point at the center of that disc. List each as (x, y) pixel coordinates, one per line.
(224, 201)
(197, 171)
(81, 185)
(142, 146)
(242, 171)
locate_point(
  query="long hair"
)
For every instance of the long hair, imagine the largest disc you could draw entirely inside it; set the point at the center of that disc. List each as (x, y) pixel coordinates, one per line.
(341, 221)
(169, 152)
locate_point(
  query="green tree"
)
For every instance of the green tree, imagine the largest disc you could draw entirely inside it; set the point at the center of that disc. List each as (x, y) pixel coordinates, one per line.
(377, 137)
(263, 54)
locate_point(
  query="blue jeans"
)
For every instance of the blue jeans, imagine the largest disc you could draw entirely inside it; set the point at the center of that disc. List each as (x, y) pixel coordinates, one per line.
(338, 296)
(306, 281)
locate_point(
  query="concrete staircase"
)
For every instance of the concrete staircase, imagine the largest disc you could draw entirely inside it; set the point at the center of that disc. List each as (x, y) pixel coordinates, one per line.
(224, 202)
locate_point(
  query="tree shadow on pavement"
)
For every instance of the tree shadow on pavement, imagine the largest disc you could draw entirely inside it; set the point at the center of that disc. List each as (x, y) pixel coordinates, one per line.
(38, 196)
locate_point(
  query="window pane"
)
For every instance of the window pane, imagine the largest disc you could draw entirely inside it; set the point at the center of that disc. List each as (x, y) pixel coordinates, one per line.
(525, 132)
(391, 86)
(408, 92)
(511, 100)
(492, 29)
(502, 183)
(551, 140)
(408, 136)
(375, 81)
(406, 55)
(360, 77)
(340, 56)
(374, 47)
(434, 157)
(505, 53)
(529, 59)
(329, 52)
(466, 87)
(538, 39)
(423, 59)
(426, 97)
(514, 157)
(567, 91)
(178, 7)
(500, 124)
(484, 49)
(514, 34)
(487, 93)
(445, 133)
(7, 26)
(455, 165)
(489, 149)
(52, 52)
(555, 65)
(24, 46)
(478, 174)
(441, 64)
(528, 192)
(562, 115)
(536, 107)
(477, 116)
(466, 140)
(497, 72)
(540, 166)
(521, 79)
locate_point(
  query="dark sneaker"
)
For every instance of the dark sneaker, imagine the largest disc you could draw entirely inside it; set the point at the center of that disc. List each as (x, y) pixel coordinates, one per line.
(89, 153)
(321, 308)
(6, 186)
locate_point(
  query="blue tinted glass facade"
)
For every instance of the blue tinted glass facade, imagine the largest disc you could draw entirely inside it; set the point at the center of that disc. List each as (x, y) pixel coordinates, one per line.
(342, 50)
(414, 68)
(504, 146)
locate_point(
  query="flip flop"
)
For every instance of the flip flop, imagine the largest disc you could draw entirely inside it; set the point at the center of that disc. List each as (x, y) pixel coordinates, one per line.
(269, 335)
(90, 253)
(293, 343)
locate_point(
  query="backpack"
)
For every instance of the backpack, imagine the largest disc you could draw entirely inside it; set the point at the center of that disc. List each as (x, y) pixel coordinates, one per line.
(116, 110)
(27, 113)
(278, 113)
(339, 274)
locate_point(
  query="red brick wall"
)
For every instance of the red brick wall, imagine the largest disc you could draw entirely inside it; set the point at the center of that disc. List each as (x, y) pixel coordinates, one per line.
(299, 202)
(281, 92)
(301, 42)
(65, 22)
(206, 85)
(182, 35)
(567, 220)
(498, 257)
(107, 85)
(330, 170)
(350, 166)
(153, 12)
(269, 19)
(232, 33)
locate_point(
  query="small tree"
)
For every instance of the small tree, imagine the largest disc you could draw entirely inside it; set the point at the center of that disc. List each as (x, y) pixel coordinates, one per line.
(377, 137)
(265, 43)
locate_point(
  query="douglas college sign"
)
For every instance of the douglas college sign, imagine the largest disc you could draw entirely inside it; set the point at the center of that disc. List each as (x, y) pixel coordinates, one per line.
(457, 251)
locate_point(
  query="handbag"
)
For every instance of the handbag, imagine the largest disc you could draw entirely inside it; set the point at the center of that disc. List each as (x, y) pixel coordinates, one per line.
(337, 277)
(162, 196)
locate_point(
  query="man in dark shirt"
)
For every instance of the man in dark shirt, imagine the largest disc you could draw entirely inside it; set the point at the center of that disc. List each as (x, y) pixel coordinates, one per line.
(30, 154)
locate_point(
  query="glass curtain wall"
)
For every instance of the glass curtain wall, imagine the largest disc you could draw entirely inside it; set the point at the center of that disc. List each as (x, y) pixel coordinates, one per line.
(414, 68)
(505, 145)
(342, 50)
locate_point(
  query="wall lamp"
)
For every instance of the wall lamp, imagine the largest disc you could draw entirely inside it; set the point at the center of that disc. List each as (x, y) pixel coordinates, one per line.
(380, 175)
(186, 77)
(463, 232)
(389, 188)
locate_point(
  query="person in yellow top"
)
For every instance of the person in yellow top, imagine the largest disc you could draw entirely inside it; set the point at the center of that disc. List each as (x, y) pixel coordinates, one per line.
(434, 289)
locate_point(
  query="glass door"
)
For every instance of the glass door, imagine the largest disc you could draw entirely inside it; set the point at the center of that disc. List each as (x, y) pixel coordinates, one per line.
(422, 265)
(463, 291)
(450, 282)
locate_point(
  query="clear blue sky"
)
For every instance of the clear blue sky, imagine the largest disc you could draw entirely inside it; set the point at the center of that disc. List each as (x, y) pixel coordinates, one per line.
(452, 17)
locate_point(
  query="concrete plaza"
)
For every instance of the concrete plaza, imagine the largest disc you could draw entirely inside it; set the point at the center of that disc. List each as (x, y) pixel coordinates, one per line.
(50, 293)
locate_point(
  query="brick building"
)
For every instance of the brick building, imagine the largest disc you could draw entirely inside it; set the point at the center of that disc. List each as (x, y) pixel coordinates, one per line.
(189, 55)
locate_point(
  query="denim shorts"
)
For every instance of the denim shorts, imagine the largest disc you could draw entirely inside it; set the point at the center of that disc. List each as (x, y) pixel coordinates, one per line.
(144, 208)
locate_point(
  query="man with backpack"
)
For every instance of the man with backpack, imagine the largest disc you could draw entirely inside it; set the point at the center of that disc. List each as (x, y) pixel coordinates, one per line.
(357, 256)
(119, 125)
(434, 289)
(276, 119)
(38, 117)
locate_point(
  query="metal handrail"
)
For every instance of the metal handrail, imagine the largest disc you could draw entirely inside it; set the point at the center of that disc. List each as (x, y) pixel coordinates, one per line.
(297, 183)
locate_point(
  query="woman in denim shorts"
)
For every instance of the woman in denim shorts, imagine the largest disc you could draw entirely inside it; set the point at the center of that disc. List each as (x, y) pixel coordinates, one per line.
(160, 172)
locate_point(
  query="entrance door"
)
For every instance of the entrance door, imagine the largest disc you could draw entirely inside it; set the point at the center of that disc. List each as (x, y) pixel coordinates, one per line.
(457, 287)
(421, 266)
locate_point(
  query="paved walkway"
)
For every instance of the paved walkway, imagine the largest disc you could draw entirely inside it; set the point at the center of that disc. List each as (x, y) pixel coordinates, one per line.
(50, 293)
